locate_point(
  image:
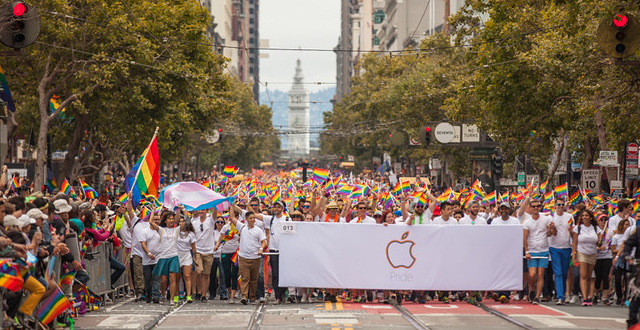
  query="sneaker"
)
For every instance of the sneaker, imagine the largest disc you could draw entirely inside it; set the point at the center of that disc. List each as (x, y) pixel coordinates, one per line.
(243, 301)
(495, 297)
(589, 302)
(421, 300)
(278, 301)
(291, 299)
(594, 300)
(503, 299)
(584, 303)
(203, 299)
(156, 301)
(304, 300)
(574, 299)
(232, 300)
(445, 300)
(618, 301)
(428, 298)
(559, 302)
(189, 300)
(532, 295)
(536, 301)
(606, 302)
(357, 299)
(261, 300)
(478, 296)
(333, 298)
(224, 297)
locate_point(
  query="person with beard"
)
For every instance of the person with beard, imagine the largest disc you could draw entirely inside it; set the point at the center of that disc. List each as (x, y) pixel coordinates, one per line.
(537, 228)
(472, 217)
(420, 214)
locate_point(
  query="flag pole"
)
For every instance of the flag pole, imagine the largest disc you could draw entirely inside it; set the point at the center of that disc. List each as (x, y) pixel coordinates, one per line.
(135, 179)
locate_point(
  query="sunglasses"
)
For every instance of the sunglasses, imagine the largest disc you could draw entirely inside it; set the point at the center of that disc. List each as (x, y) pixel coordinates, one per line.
(536, 205)
(362, 208)
(306, 206)
(219, 221)
(201, 227)
(254, 205)
(559, 204)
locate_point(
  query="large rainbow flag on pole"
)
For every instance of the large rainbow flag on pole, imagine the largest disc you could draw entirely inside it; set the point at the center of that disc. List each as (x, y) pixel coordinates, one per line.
(87, 190)
(144, 177)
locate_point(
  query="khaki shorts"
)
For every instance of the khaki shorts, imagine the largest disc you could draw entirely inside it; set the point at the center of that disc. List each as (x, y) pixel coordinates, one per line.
(203, 263)
(587, 258)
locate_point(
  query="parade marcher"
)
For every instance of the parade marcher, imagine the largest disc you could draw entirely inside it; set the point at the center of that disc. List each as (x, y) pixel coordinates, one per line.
(625, 207)
(620, 266)
(560, 248)
(536, 246)
(253, 242)
(217, 283)
(228, 244)
(168, 263)
(204, 225)
(633, 294)
(186, 251)
(472, 217)
(604, 260)
(586, 239)
(150, 243)
(272, 230)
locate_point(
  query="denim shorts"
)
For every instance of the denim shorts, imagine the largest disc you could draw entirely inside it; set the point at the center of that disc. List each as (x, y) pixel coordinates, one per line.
(538, 260)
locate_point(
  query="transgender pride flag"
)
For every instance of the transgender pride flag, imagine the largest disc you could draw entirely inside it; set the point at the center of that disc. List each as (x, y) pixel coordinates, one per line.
(193, 196)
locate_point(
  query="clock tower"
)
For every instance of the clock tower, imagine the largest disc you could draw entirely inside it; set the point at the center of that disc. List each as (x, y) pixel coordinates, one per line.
(298, 116)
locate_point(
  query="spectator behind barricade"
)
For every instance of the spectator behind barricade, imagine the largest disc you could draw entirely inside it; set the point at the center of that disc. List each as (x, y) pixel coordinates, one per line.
(19, 204)
(62, 209)
(11, 223)
(39, 218)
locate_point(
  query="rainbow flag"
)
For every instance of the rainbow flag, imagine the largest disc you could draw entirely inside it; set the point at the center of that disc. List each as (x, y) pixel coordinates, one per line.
(490, 198)
(504, 197)
(636, 207)
(345, 190)
(123, 199)
(231, 232)
(230, 171)
(14, 184)
(67, 279)
(320, 175)
(144, 214)
(575, 198)
(406, 187)
(562, 190)
(276, 196)
(88, 191)
(51, 184)
(67, 189)
(234, 257)
(423, 199)
(145, 173)
(397, 189)
(598, 199)
(543, 186)
(55, 305)
(10, 276)
(548, 197)
(636, 195)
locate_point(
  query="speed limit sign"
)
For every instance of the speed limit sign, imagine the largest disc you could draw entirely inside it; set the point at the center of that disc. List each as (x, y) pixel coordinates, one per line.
(591, 180)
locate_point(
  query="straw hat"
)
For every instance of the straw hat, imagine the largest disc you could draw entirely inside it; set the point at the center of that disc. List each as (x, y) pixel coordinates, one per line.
(332, 205)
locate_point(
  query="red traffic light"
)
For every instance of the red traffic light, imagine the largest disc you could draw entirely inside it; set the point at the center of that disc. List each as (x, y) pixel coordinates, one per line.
(219, 130)
(620, 21)
(428, 129)
(19, 9)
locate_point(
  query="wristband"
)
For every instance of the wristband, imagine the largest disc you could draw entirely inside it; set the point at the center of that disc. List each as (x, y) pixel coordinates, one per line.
(525, 252)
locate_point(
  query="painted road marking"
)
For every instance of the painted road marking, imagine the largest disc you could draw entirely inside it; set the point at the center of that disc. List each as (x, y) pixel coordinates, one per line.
(505, 307)
(441, 306)
(377, 306)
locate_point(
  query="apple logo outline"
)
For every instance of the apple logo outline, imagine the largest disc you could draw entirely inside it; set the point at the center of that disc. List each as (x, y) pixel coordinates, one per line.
(402, 242)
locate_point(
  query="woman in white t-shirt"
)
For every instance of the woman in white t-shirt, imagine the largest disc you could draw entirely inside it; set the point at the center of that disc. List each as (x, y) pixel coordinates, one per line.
(619, 266)
(186, 251)
(586, 240)
(168, 265)
(603, 261)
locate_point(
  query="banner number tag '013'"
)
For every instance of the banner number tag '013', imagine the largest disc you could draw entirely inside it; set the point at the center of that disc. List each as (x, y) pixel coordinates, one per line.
(288, 228)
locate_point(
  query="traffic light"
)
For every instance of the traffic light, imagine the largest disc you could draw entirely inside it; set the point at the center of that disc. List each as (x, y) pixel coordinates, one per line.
(425, 135)
(19, 24)
(219, 134)
(619, 36)
(497, 164)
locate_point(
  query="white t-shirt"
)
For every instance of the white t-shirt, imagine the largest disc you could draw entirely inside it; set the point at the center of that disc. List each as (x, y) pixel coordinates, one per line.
(274, 240)
(153, 245)
(184, 241)
(326, 218)
(439, 221)
(367, 219)
(510, 221)
(561, 240)
(418, 220)
(537, 239)
(466, 220)
(216, 236)
(522, 218)
(231, 245)
(617, 240)
(250, 241)
(138, 230)
(125, 234)
(168, 242)
(204, 234)
(587, 239)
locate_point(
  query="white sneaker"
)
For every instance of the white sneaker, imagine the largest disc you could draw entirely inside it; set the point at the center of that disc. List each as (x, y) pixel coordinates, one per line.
(238, 294)
(559, 302)
(232, 300)
(574, 299)
(305, 298)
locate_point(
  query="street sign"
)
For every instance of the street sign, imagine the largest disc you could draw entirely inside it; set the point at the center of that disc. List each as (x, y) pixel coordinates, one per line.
(521, 178)
(508, 182)
(616, 184)
(608, 158)
(535, 178)
(444, 132)
(591, 180)
(436, 164)
(470, 133)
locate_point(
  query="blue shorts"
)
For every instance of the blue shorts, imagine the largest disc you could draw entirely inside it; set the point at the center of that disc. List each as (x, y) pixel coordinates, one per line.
(538, 260)
(166, 266)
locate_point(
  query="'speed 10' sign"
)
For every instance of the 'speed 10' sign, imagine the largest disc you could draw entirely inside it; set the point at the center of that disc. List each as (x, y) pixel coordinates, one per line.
(591, 180)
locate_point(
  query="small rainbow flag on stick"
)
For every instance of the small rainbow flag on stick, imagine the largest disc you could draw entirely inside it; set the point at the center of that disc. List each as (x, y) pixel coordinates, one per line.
(66, 188)
(123, 198)
(67, 279)
(55, 305)
(406, 187)
(230, 171)
(88, 191)
(10, 277)
(14, 184)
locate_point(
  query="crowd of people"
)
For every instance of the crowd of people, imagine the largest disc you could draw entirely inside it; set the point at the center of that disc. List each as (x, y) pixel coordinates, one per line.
(574, 249)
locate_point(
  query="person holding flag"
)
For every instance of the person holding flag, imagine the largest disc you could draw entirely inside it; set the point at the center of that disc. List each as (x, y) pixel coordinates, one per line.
(186, 251)
(421, 213)
(228, 244)
(471, 217)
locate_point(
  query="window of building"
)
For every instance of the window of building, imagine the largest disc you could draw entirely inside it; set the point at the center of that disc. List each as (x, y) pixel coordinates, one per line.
(251, 11)
(252, 40)
(250, 20)
(252, 30)
(376, 41)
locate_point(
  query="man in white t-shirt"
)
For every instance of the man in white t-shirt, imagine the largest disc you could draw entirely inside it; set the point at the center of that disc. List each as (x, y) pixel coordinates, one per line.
(505, 217)
(560, 247)
(625, 207)
(362, 216)
(137, 254)
(472, 217)
(204, 226)
(272, 230)
(253, 241)
(445, 218)
(420, 214)
(536, 230)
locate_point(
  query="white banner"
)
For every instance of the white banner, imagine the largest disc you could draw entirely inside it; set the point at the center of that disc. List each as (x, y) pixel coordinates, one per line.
(400, 257)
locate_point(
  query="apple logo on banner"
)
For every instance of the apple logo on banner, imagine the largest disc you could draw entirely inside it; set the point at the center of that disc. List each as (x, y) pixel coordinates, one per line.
(399, 253)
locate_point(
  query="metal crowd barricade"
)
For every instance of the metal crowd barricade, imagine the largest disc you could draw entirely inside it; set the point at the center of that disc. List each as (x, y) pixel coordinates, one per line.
(123, 282)
(97, 265)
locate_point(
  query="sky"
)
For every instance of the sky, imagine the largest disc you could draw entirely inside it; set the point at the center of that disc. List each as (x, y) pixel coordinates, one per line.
(299, 24)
